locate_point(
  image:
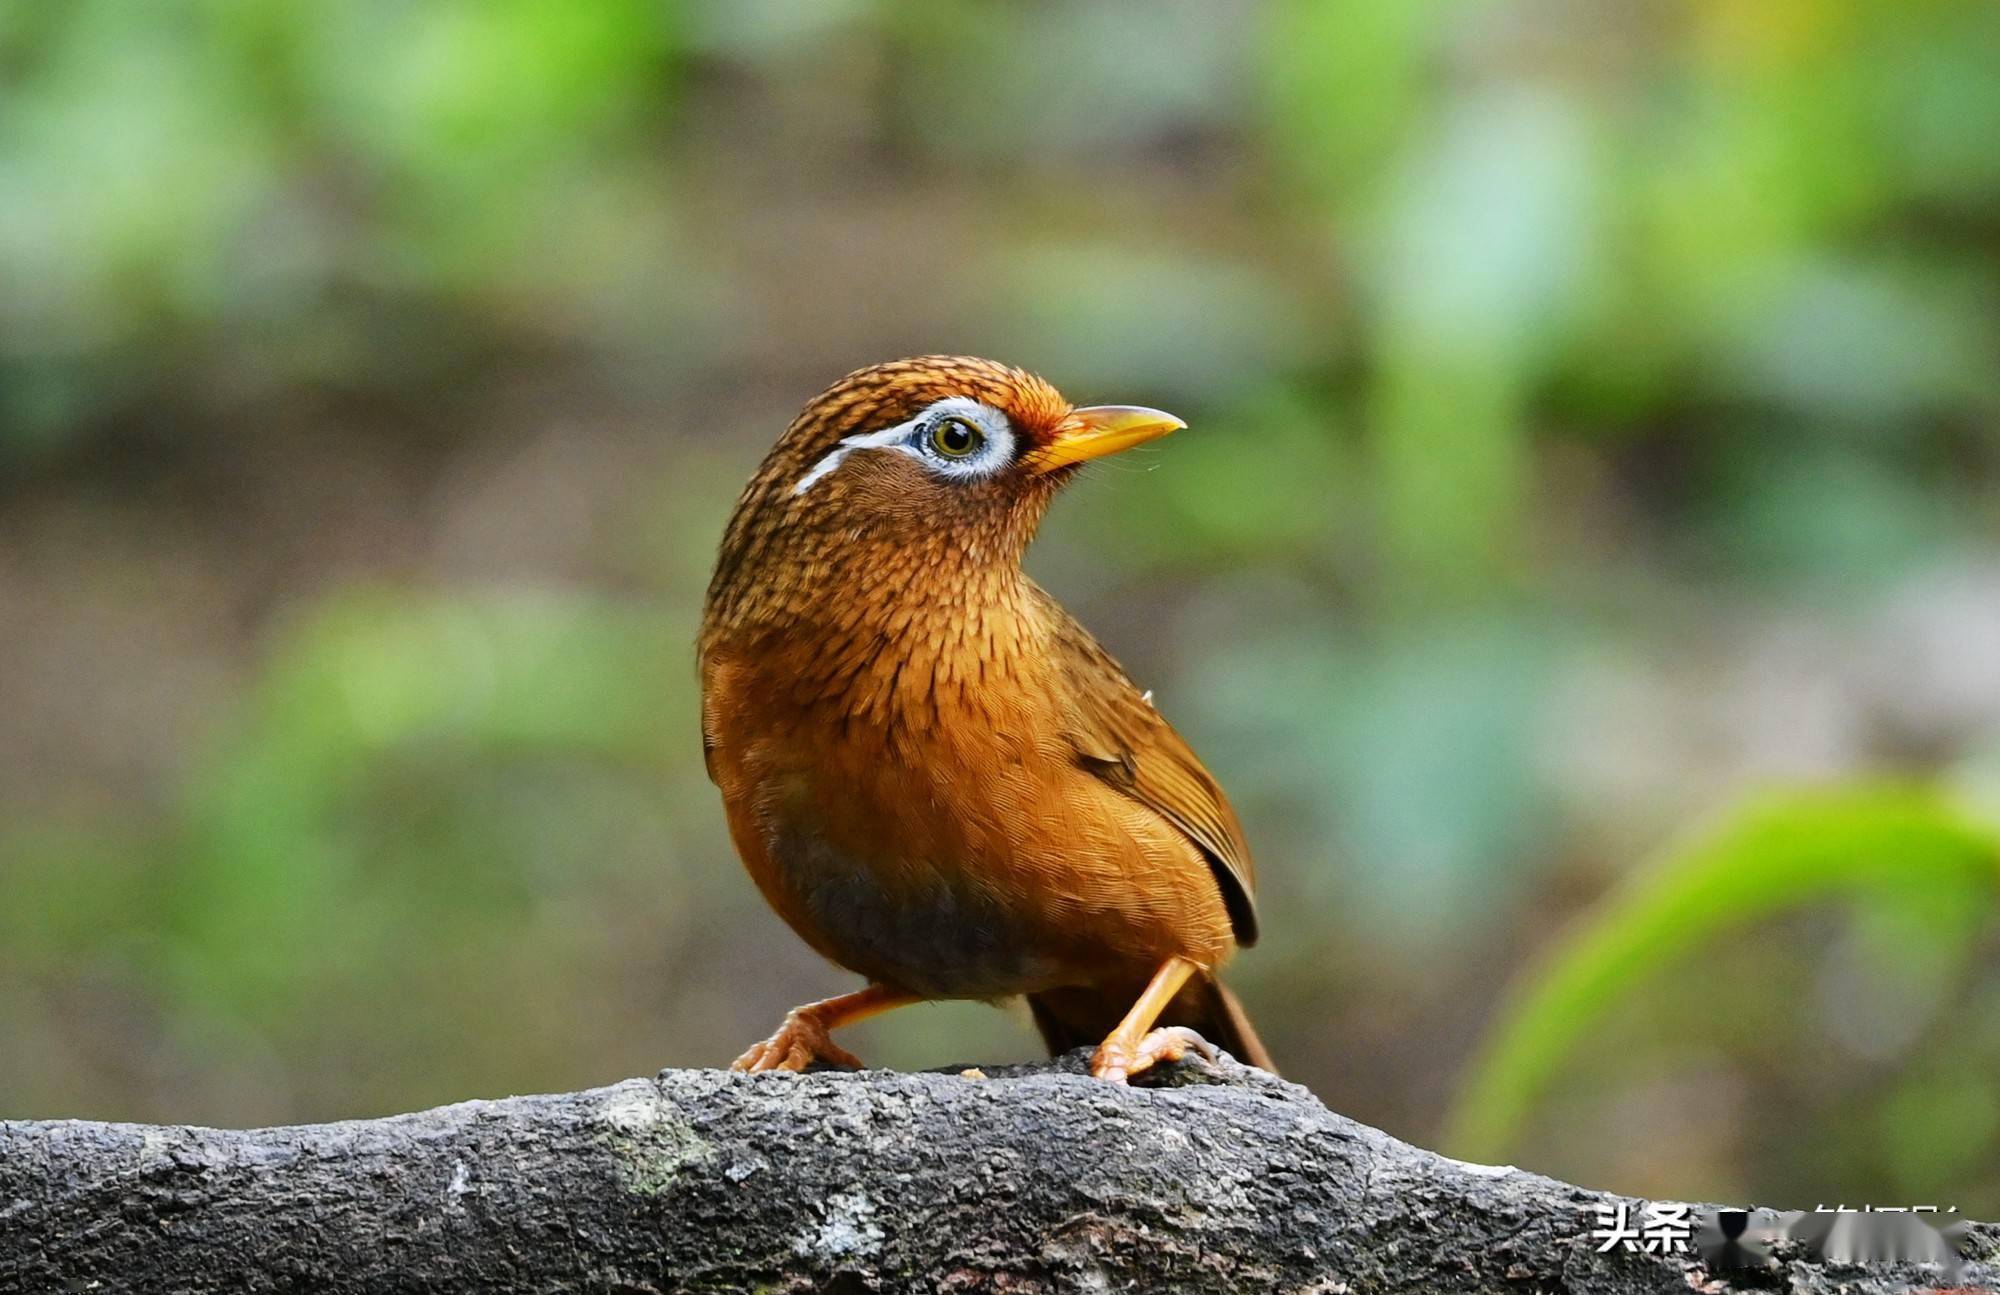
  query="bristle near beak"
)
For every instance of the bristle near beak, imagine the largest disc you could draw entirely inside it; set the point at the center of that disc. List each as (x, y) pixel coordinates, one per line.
(1097, 430)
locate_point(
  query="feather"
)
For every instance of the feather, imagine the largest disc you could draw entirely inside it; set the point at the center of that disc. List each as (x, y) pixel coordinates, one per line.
(1120, 737)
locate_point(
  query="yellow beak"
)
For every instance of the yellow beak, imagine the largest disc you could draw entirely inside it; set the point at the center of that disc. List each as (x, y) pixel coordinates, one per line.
(1098, 430)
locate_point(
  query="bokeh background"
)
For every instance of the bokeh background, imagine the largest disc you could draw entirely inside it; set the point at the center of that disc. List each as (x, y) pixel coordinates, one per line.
(1582, 566)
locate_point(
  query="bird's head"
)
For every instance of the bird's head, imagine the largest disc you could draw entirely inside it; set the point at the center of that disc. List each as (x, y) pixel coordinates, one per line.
(934, 463)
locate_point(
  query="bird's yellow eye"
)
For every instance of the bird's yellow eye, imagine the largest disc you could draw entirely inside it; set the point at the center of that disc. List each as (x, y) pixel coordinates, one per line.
(956, 438)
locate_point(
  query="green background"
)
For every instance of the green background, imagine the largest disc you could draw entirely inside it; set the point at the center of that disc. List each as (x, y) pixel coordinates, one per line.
(1581, 566)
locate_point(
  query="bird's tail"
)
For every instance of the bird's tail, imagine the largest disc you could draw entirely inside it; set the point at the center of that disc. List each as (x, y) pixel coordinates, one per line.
(1078, 1018)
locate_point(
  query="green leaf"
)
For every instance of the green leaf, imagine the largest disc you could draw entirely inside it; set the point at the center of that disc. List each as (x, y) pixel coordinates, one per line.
(1778, 852)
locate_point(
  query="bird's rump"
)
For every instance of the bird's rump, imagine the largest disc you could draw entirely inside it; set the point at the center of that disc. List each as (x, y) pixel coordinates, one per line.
(932, 773)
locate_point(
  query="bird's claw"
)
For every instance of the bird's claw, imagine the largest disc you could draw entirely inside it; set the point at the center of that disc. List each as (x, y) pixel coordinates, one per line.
(1117, 1061)
(800, 1041)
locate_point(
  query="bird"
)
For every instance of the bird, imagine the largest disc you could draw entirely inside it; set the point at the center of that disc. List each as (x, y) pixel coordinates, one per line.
(932, 773)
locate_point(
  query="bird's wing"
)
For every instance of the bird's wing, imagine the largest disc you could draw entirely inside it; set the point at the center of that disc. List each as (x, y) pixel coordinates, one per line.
(1123, 740)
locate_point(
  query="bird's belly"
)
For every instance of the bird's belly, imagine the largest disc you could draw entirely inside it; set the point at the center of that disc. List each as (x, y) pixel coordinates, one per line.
(936, 932)
(953, 858)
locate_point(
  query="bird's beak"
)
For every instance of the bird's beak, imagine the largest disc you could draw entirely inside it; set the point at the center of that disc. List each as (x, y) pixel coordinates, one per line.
(1097, 430)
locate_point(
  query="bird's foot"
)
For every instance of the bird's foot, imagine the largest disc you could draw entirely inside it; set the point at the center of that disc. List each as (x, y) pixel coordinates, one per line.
(800, 1041)
(1117, 1060)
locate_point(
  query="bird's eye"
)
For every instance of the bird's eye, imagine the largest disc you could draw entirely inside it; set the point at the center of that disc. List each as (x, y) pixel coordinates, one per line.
(956, 438)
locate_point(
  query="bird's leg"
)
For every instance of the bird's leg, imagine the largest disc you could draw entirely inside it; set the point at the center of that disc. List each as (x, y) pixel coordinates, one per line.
(805, 1037)
(1135, 1046)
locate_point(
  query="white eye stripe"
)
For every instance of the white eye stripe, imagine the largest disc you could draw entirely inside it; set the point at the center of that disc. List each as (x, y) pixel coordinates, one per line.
(887, 438)
(912, 438)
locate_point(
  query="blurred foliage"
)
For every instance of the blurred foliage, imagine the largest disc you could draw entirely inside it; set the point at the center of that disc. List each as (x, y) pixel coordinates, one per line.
(384, 757)
(1593, 416)
(1922, 879)
(287, 191)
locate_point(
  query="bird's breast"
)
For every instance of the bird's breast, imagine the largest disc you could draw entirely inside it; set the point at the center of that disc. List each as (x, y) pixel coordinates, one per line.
(899, 838)
(923, 819)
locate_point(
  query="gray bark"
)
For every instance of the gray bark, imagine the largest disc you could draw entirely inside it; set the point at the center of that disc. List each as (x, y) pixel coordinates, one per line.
(1035, 1179)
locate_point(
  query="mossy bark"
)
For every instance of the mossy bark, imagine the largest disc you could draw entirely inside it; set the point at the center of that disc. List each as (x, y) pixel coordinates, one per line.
(1032, 1179)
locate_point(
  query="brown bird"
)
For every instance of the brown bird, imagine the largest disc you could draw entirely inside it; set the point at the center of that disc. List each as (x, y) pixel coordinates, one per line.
(933, 773)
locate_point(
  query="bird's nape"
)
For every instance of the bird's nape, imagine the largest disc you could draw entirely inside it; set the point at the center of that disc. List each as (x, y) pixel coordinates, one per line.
(934, 775)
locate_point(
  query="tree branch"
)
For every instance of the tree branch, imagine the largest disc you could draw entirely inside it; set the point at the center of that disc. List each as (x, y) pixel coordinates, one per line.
(1036, 1179)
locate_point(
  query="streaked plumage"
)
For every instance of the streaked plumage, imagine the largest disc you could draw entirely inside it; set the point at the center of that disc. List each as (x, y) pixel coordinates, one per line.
(932, 772)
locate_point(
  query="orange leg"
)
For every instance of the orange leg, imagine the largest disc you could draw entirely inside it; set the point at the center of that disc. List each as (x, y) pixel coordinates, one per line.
(804, 1037)
(1135, 1046)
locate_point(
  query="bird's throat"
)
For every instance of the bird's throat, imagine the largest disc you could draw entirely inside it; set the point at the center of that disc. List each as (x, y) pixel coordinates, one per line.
(886, 634)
